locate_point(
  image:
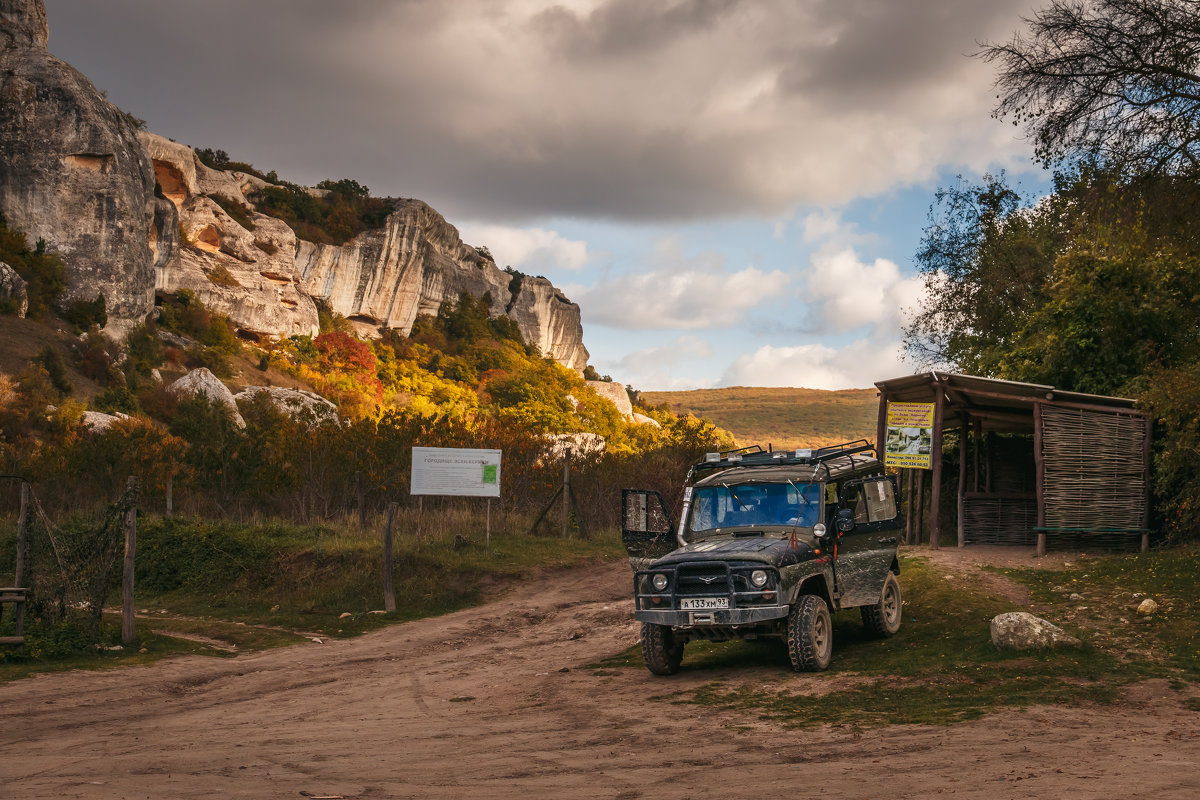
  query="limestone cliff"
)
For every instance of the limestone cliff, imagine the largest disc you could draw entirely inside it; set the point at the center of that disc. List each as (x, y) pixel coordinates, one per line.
(248, 274)
(416, 263)
(72, 172)
(131, 212)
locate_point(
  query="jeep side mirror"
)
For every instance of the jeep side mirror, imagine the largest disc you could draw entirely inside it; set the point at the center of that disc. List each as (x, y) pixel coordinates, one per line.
(844, 521)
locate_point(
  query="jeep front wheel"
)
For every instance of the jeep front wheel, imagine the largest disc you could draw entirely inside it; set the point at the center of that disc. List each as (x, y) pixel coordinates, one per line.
(883, 617)
(809, 634)
(660, 650)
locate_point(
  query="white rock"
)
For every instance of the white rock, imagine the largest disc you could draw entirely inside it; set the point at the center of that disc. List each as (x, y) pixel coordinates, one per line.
(13, 287)
(201, 381)
(98, 421)
(296, 403)
(642, 419)
(1147, 606)
(1020, 630)
(614, 393)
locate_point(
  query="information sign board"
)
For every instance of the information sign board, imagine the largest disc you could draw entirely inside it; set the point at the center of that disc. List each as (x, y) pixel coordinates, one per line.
(909, 436)
(453, 471)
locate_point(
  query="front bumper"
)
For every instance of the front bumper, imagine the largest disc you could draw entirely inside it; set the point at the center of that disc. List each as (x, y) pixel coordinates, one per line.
(720, 617)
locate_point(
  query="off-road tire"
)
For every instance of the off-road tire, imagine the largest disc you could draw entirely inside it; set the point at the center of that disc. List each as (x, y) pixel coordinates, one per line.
(661, 652)
(809, 634)
(882, 618)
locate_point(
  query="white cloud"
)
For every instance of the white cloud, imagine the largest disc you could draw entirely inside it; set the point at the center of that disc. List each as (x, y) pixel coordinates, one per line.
(817, 366)
(845, 292)
(531, 250)
(664, 367)
(689, 298)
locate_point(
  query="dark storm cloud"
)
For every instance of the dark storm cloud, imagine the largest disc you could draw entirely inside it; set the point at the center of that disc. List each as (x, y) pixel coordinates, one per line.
(509, 110)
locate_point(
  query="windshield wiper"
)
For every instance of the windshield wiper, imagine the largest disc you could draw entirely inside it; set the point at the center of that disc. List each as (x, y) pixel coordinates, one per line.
(733, 494)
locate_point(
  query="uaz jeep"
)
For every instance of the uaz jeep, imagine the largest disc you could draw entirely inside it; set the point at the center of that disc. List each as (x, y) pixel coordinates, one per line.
(768, 544)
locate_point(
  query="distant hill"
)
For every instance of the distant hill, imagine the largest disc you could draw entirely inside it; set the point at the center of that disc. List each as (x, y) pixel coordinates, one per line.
(784, 418)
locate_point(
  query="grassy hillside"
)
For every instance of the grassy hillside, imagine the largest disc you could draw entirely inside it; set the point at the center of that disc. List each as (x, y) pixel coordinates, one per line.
(784, 418)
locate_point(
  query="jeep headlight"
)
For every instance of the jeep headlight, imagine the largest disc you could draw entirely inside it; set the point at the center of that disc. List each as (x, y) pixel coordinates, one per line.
(759, 578)
(659, 582)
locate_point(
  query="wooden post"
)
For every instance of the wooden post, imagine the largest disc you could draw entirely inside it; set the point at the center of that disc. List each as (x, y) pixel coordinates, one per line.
(171, 491)
(920, 503)
(22, 543)
(962, 480)
(911, 505)
(975, 450)
(1146, 458)
(566, 492)
(881, 426)
(487, 527)
(1039, 465)
(389, 594)
(362, 502)
(935, 500)
(128, 636)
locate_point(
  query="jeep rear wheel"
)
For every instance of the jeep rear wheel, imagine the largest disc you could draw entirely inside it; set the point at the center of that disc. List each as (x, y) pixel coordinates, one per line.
(660, 650)
(883, 618)
(809, 634)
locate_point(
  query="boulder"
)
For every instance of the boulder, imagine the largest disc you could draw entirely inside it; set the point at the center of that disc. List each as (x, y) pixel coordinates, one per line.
(1020, 630)
(98, 421)
(12, 290)
(642, 419)
(296, 403)
(614, 393)
(201, 381)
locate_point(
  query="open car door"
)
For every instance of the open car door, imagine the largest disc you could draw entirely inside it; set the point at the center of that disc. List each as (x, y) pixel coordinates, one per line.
(646, 528)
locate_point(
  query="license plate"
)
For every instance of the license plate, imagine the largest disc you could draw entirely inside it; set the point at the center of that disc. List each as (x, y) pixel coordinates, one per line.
(703, 603)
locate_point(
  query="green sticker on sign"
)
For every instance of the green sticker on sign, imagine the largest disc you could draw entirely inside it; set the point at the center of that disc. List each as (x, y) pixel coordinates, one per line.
(489, 473)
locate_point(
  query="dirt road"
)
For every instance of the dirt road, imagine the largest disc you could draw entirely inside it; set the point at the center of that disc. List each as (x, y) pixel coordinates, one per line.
(497, 702)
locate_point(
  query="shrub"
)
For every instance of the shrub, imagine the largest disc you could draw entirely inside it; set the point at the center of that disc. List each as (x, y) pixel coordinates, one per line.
(84, 314)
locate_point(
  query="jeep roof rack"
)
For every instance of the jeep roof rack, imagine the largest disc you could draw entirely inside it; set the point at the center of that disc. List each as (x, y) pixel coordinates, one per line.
(755, 456)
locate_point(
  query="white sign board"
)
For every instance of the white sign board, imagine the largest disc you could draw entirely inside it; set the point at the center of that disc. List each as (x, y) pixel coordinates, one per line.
(455, 471)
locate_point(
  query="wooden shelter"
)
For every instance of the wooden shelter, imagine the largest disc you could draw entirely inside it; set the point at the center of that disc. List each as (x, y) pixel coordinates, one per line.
(1036, 463)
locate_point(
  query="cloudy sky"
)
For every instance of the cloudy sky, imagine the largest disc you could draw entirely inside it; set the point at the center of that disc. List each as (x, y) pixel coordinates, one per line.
(732, 191)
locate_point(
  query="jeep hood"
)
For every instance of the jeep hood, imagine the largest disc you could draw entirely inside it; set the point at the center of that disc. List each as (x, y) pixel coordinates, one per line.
(770, 551)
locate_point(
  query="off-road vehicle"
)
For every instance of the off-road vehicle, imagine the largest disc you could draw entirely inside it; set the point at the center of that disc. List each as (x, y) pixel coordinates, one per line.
(767, 546)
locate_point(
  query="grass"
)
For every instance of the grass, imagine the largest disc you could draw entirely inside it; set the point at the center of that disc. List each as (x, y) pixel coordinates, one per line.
(783, 417)
(942, 667)
(221, 587)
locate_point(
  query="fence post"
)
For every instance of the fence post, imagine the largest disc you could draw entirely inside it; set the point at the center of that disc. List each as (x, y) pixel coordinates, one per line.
(128, 636)
(22, 540)
(389, 595)
(566, 492)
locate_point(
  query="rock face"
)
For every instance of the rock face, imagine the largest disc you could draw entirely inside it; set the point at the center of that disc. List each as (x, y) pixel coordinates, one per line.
(247, 274)
(1020, 630)
(202, 382)
(12, 290)
(73, 172)
(417, 262)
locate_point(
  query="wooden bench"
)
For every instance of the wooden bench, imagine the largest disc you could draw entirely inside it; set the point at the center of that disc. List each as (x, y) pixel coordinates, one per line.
(16, 596)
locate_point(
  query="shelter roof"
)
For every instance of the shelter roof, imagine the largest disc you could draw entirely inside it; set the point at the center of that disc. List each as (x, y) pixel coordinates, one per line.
(1005, 404)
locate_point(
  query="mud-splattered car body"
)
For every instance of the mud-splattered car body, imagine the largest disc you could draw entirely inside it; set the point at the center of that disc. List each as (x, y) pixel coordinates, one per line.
(762, 534)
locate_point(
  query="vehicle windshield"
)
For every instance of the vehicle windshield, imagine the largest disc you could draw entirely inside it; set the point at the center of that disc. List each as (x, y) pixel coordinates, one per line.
(755, 505)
